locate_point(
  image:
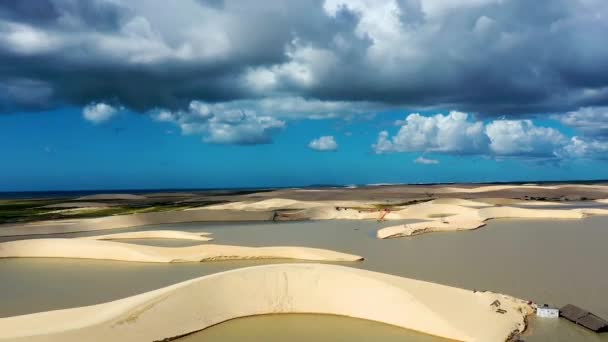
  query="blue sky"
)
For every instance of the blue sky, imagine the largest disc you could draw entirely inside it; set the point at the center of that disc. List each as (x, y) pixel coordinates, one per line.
(117, 94)
(62, 150)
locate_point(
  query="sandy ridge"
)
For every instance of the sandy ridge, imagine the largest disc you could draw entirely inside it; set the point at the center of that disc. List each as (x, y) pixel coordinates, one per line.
(126, 221)
(111, 197)
(153, 234)
(110, 250)
(289, 209)
(281, 288)
(467, 219)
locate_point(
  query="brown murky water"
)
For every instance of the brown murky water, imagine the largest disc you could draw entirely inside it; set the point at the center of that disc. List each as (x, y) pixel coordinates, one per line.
(306, 328)
(557, 262)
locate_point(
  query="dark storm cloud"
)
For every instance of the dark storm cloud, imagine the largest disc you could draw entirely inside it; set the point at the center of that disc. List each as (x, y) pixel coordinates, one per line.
(212, 3)
(31, 11)
(509, 57)
(100, 15)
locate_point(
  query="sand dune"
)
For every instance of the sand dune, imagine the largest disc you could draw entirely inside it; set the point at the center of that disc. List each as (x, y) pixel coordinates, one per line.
(68, 205)
(282, 204)
(461, 202)
(467, 219)
(126, 221)
(513, 212)
(153, 234)
(103, 197)
(268, 204)
(301, 210)
(594, 211)
(110, 250)
(196, 304)
(488, 188)
(539, 203)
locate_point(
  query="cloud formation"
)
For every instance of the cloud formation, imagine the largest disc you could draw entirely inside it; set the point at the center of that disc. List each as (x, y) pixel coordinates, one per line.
(426, 161)
(458, 134)
(98, 112)
(221, 125)
(591, 121)
(523, 138)
(320, 59)
(324, 144)
(452, 133)
(493, 57)
(580, 148)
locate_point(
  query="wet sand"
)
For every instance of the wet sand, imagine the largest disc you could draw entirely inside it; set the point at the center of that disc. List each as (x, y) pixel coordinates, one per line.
(559, 262)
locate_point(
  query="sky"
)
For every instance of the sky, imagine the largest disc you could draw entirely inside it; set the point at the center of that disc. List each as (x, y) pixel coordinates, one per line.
(117, 94)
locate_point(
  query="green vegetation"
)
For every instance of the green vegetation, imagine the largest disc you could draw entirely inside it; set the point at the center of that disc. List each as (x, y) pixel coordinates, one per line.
(17, 210)
(13, 211)
(390, 206)
(401, 204)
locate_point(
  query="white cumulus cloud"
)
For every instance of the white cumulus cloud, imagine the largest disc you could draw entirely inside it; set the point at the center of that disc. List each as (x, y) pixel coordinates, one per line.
(580, 148)
(452, 133)
(457, 133)
(99, 112)
(221, 124)
(426, 161)
(592, 121)
(324, 144)
(523, 138)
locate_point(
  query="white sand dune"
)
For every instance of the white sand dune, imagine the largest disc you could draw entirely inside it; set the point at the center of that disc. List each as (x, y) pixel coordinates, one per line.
(461, 202)
(467, 219)
(68, 205)
(196, 304)
(331, 213)
(102, 197)
(416, 211)
(153, 234)
(283, 204)
(268, 204)
(110, 250)
(539, 203)
(594, 211)
(265, 209)
(72, 211)
(488, 188)
(411, 229)
(126, 221)
(602, 200)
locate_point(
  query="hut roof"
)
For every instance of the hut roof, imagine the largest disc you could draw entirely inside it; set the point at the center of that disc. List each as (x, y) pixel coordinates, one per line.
(584, 318)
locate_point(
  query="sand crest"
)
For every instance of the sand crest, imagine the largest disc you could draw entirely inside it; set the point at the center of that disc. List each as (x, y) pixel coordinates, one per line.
(103, 197)
(467, 219)
(70, 205)
(461, 202)
(153, 234)
(126, 221)
(268, 204)
(196, 304)
(110, 250)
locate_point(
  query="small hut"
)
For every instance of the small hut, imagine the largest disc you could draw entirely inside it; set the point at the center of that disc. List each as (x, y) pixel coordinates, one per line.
(545, 311)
